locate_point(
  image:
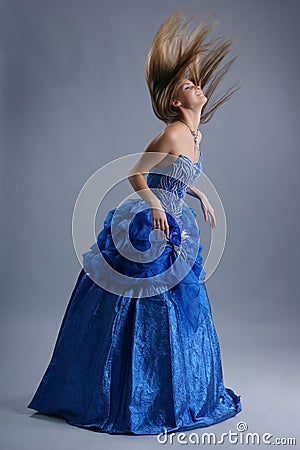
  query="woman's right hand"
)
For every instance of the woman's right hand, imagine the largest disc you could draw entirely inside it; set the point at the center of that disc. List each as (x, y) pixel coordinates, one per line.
(159, 220)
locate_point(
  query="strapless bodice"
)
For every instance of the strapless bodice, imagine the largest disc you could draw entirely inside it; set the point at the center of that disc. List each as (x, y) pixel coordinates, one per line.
(169, 183)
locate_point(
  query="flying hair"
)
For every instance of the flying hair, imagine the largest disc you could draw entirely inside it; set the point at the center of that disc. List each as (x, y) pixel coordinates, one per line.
(180, 51)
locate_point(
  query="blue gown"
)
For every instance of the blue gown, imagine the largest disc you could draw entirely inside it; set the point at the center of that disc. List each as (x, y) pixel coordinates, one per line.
(145, 359)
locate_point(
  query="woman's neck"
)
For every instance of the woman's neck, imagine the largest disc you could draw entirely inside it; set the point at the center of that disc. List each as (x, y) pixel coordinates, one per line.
(191, 118)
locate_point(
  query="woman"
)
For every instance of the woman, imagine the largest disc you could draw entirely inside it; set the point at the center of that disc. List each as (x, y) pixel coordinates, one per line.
(182, 133)
(137, 351)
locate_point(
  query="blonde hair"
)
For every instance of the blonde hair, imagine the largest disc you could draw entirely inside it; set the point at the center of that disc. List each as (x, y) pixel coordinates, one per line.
(176, 54)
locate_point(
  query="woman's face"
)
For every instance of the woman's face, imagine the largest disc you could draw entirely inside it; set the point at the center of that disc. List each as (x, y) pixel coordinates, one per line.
(188, 95)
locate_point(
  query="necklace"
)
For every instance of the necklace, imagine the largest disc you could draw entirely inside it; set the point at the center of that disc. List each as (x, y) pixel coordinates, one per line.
(194, 133)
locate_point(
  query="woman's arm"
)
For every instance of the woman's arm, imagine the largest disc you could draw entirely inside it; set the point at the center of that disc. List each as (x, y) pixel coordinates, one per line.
(158, 215)
(155, 152)
(137, 181)
(195, 192)
(205, 205)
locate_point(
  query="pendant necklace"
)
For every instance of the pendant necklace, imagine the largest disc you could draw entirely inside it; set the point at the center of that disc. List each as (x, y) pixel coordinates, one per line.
(194, 133)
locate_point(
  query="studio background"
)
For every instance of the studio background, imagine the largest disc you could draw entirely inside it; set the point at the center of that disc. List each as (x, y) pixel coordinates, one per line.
(73, 98)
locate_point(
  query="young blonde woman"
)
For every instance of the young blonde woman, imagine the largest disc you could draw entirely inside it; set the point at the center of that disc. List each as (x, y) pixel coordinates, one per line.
(137, 351)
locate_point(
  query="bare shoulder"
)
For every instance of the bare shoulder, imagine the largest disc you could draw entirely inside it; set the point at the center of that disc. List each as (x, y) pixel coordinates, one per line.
(155, 152)
(164, 142)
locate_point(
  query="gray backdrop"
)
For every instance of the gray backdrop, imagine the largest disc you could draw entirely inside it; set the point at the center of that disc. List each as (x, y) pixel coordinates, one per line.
(74, 98)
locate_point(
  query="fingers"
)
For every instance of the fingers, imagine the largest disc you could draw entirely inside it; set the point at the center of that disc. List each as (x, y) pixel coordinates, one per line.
(210, 215)
(167, 229)
(212, 220)
(161, 224)
(205, 212)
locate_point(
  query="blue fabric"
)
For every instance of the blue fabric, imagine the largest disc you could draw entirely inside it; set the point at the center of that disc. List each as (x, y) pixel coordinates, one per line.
(147, 360)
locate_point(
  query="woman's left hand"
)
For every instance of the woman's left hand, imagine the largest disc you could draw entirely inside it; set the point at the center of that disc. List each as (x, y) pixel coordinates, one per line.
(208, 210)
